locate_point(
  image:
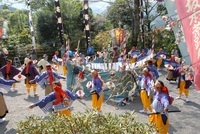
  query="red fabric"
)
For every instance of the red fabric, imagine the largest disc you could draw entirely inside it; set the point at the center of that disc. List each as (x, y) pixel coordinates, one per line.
(60, 95)
(8, 67)
(27, 66)
(81, 75)
(188, 11)
(165, 90)
(50, 75)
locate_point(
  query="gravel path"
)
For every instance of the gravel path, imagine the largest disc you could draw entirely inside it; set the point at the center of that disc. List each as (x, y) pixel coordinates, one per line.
(185, 122)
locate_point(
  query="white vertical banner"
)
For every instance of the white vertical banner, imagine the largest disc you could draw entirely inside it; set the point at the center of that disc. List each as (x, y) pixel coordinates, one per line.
(31, 25)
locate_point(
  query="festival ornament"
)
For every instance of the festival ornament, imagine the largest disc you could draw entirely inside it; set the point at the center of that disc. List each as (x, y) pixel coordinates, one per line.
(19, 77)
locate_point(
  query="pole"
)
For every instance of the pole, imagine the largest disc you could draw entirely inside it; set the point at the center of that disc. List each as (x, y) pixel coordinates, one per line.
(86, 23)
(31, 25)
(142, 22)
(59, 22)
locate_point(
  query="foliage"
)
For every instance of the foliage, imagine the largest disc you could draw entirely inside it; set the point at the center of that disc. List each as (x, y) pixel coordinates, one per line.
(163, 39)
(102, 39)
(120, 10)
(89, 122)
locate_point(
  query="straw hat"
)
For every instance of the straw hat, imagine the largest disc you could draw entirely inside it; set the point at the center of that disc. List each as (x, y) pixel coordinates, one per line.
(5, 51)
(19, 77)
(94, 72)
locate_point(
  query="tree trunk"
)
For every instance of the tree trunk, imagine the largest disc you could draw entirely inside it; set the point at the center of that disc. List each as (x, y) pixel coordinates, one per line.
(136, 23)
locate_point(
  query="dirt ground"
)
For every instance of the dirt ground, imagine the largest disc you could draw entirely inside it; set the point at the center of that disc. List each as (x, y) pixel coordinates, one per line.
(185, 122)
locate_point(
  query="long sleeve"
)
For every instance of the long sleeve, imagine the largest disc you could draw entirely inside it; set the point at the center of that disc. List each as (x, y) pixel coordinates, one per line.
(48, 99)
(165, 100)
(97, 85)
(6, 84)
(71, 95)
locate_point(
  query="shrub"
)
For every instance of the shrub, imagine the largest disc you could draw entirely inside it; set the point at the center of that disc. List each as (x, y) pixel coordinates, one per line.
(88, 122)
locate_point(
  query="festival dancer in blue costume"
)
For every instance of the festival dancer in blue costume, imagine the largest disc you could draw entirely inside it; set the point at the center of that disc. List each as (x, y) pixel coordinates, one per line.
(160, 107)
(153, 70)
(133, 54)
(145, 91)
(142, 55)
(159, 57)
(6, 84)
(172, 61)
(60, 100)
(96, 90)
(46, 79)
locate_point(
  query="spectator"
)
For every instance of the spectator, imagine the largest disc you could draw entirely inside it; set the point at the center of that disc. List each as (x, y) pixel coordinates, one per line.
(33, 53)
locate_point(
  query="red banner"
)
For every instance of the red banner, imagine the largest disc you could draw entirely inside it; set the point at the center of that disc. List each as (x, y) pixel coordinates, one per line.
(189, 14)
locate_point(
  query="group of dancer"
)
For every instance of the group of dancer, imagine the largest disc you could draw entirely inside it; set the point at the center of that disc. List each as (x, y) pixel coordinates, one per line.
(153, 93)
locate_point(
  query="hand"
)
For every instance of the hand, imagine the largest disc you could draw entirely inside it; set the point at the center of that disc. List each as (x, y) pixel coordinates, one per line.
(80, 98)
(31, 81)
(16, 81)
(32, 106)
(63, 77)
(166, 109)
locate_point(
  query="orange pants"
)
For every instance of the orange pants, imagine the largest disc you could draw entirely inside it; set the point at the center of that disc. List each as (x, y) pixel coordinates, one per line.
(65, 70)
(97, 102)
(66, 112)
(159, 62)
(182, 89)
(160, 126)
(146, 100)
(28, 86)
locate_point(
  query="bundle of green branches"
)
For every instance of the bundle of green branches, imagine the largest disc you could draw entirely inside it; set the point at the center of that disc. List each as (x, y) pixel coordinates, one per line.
(88, 122)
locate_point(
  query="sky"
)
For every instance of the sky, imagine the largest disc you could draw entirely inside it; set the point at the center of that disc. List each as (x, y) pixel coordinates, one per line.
(97, 7)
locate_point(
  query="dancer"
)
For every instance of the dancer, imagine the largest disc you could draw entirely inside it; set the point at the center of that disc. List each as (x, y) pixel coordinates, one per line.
(159, 110)
(153, 70)
(142, 55)
(42, 63)
(60, 100)
(46, 79)
(133, 54)
(30, 72)
(72, 71)
(64, 63)
(55, 59)
(159, 57)
(146, 86)
(96, 90)
(6, 84)
(8, 72)
(184, 84)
